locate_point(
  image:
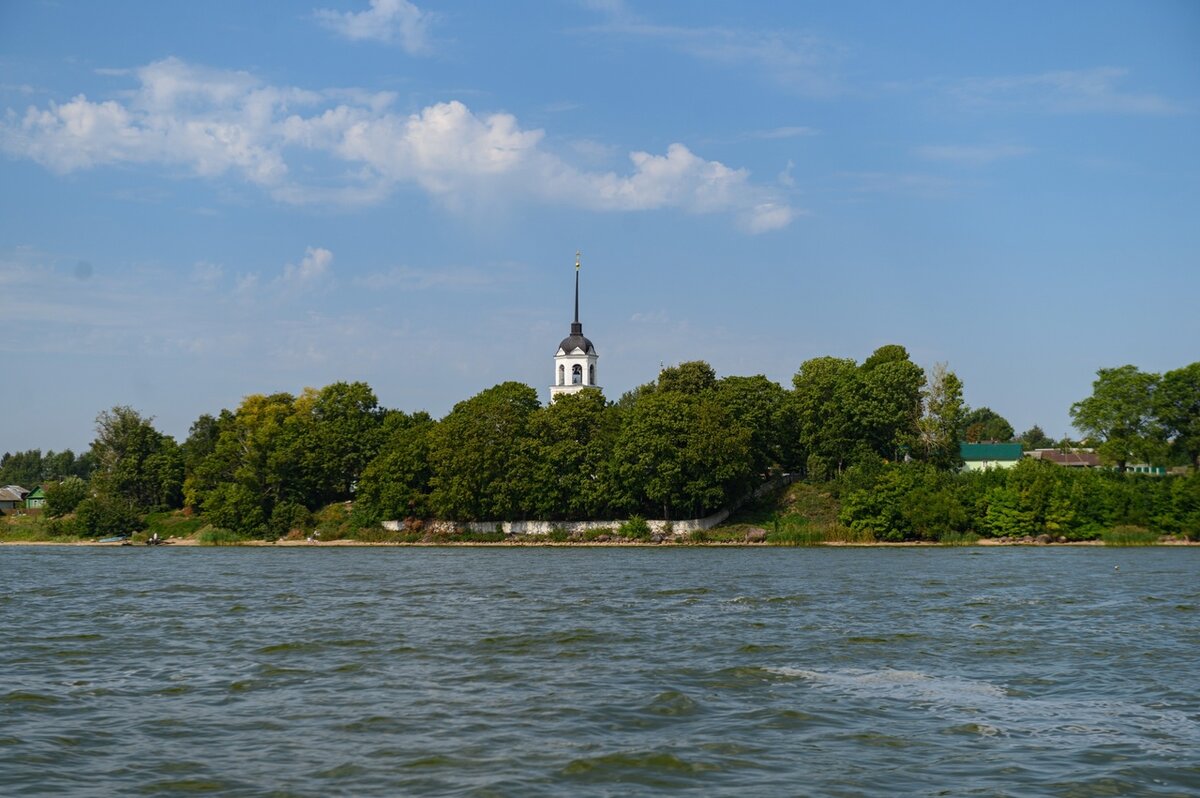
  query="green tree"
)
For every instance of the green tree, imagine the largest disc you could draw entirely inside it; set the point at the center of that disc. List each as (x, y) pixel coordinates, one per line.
(21, 468)
(478, 454)
(1035, 438)
(135, 463)
(823, 404)
(63, 497)
(942, 418)
(395, 484)
(345, 436)
(680, 454)
(985, 424)
(757, 404)
(693, 377)
(573, 440)
(889, 401)
(1177, 407)
(1120, 415)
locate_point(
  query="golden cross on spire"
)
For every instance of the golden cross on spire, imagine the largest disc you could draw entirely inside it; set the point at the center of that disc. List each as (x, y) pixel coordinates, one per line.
(577, 256)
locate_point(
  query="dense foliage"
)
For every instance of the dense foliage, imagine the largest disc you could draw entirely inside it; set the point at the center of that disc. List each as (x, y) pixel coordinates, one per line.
(883, 435)
(918, 502)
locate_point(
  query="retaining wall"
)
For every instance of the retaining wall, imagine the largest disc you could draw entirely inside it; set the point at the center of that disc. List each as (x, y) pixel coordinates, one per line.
(678, 527)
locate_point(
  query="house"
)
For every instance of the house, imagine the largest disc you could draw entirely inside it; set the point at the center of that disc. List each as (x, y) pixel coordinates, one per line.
(35, 499)
(1073, 458)
(981, 456)
(12, 497)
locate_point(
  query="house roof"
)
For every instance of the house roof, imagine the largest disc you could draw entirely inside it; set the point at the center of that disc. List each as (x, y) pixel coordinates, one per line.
(12, 493)
(1082, 459)
(974, 452)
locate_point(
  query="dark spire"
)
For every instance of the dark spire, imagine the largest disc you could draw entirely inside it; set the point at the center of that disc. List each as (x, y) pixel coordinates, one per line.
(576, 327)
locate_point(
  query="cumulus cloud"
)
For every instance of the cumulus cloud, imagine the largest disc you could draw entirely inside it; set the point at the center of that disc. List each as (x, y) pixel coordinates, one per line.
(219, 123)
(389, 21)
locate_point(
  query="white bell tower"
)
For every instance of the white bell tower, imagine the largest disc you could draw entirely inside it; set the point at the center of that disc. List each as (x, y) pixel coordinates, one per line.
(575, 361)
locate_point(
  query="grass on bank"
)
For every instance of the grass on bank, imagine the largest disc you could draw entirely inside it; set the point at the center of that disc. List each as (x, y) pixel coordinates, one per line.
(1129, 536)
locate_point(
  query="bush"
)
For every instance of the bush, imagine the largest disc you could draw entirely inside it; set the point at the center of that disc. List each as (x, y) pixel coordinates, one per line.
(65, 497)
(635, 528)
(103, 517)
(218, 536)
(288, 516)
(1129, 536)
(558, 535)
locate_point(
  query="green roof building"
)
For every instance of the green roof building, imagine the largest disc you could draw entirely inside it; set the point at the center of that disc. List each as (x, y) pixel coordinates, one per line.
(980, 456)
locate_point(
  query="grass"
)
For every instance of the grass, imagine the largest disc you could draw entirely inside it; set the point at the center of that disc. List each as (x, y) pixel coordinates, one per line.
(1129, 536)
(36, 529)
(172, 524)
(216, 536)
(958, 539)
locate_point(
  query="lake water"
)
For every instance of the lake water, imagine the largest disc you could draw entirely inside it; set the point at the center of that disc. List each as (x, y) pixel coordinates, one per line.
(599, 671)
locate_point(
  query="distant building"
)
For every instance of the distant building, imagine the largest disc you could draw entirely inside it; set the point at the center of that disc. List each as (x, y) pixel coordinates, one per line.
(575, 360)
(981, 456)
(1072, 458)
(35, 499)
(12, 497)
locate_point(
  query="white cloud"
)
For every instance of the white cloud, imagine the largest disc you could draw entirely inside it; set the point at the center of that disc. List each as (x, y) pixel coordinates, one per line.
(1066, 91)
(389, 21)
(312, 268)
(219, 123)
(975, 155)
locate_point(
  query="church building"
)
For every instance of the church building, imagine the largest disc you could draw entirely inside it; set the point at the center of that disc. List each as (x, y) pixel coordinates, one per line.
(575, 361)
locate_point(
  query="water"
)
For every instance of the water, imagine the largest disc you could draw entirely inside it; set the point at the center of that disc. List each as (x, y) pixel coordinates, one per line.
(1023, 671)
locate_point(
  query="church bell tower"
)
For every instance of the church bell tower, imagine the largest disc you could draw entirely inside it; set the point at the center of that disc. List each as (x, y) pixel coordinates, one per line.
(575, 360)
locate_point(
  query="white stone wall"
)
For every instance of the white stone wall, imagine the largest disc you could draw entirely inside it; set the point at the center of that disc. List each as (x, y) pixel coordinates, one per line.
(678, 527)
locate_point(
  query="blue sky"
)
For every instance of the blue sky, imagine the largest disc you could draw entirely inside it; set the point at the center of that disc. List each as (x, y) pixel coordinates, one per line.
(202, 201)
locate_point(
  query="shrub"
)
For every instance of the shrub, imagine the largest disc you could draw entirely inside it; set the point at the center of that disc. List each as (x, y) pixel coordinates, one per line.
(1127, 535)
(64, 497)
(101, 516)
(635, 528)
(218, 536)
(558, 535)
(698, 536)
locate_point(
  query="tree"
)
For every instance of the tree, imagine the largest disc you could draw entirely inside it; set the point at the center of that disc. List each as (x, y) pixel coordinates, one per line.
(693, 377)
(135, 463)
(573, 440)
(985, 424)
(1035, 438)
(1120, 415)
(681, 454)
(756, 404)
(396, 483)
(1177, 406)
(823, 403)
(345, 435)
(63, 497)
(942, 418)
(478, 453)
(889, 401)
(21, 468)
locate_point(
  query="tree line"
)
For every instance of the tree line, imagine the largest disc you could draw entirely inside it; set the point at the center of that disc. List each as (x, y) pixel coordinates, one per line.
(682, 446)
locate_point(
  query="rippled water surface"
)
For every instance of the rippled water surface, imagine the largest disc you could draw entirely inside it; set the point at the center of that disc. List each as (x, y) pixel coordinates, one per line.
(1023, 671)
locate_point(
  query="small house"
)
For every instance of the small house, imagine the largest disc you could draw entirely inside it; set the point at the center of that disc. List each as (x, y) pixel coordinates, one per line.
(35, 499)
(12, 497)
(981, 456)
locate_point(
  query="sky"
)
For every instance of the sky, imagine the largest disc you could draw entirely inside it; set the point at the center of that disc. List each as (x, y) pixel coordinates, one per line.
(201, 201)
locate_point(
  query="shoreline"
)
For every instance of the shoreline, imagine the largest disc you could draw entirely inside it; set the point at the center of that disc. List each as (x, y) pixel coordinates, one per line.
(304, 544)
